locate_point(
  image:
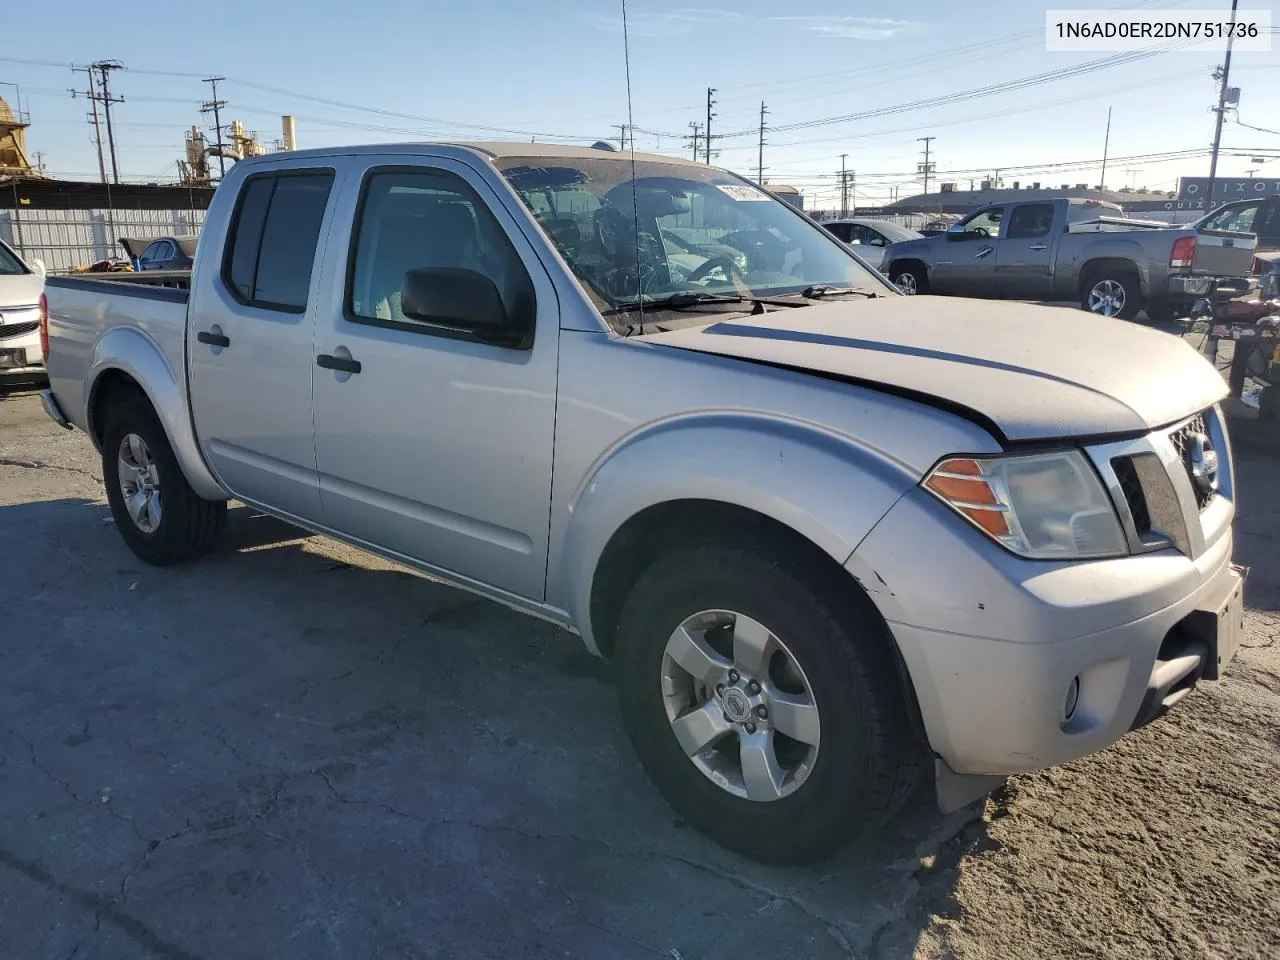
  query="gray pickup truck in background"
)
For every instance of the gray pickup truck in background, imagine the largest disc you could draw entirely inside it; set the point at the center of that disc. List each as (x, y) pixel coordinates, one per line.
(832, 537)
(1071, 249)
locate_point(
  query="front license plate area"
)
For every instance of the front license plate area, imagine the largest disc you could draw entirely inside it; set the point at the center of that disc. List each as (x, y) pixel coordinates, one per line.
(1230, 628)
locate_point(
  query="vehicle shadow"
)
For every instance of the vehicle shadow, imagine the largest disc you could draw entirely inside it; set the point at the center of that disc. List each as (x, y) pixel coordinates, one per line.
(296, 720)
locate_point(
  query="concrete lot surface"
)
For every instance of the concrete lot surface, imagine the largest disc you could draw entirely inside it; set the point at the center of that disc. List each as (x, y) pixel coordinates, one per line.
(292, 750)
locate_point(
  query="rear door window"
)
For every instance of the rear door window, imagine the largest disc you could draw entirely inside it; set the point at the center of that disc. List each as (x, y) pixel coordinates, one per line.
(275, 234)
(1029, 221)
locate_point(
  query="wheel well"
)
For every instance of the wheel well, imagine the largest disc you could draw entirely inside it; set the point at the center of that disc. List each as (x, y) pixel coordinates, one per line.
(110, 388)
(1103, 265)
(639, 542)
(906, 264)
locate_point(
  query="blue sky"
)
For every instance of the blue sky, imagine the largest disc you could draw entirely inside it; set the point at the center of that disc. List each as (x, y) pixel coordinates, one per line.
(555, 67)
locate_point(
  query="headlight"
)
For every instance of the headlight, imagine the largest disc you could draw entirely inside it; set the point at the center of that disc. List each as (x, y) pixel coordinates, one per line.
(1048, 506)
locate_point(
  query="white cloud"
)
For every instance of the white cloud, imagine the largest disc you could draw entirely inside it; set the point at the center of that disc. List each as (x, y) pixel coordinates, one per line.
(669, 24)
(857, 28)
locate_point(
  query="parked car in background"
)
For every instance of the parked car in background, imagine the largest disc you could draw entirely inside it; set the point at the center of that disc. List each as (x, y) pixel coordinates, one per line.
(1261, 217)
(871, 237)
(1071, 249)
(833, 538)
(21, 289)
(160, 253)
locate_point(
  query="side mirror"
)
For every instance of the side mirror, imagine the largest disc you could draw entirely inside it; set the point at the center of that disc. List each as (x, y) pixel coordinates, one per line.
(878, 242)
(463, 299)
(38, 266)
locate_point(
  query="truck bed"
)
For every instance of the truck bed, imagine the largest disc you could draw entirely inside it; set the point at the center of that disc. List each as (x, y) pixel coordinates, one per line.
(87, 309)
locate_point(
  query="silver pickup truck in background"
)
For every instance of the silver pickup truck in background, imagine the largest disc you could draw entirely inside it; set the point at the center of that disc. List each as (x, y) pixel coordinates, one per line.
(1071, 249)
(832, 537)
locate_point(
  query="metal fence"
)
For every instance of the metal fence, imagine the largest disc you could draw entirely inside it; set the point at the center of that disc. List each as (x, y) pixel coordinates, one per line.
(64, 239)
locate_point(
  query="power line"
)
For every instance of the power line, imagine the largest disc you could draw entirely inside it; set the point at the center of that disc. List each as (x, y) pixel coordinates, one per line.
(760, 147)
(1224, 76)
(707, 135)
(214, 106)
(926, 168)
(104, 68)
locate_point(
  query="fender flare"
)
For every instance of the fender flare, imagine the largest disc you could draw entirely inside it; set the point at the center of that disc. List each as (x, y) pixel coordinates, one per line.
(789, 471)
(1114, 249)
(131, 352)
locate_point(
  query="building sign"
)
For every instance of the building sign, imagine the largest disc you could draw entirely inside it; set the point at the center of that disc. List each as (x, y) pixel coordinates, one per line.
(1226, 189)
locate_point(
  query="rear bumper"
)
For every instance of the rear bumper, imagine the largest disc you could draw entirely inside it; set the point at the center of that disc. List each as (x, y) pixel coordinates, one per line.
(1192, 288)
(50, 404)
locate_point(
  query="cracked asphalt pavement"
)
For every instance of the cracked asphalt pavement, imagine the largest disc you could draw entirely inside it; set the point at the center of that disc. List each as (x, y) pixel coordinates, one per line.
(291, 749)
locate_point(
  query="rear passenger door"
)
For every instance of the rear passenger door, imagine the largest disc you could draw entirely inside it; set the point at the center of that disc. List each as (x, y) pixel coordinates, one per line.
(1024, 254)
(249, 342)
(432, 442)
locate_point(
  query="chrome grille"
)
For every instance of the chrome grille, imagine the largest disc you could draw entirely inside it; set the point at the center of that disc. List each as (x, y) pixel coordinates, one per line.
(8, 330)
(1131, 488)
(1182, 443)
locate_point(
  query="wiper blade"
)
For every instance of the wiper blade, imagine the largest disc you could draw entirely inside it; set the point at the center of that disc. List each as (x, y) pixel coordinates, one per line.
(688, 298)
(820, 290)
(674, 301)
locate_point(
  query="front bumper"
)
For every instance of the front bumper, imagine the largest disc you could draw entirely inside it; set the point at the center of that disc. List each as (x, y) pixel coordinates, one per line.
(994, 644)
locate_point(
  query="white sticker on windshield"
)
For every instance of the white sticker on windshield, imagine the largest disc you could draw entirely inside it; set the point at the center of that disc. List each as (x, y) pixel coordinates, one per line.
(741, 192)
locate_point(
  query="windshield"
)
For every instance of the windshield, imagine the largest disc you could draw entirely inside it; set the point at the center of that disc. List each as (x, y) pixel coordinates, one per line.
(10, 265)
(895, 233)
(699, 231)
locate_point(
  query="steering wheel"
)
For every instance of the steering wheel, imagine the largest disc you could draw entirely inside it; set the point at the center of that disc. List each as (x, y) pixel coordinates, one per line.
(979, 231)
(726, 264)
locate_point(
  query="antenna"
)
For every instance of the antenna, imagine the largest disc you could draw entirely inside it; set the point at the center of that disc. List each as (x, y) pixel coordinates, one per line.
(635, 197)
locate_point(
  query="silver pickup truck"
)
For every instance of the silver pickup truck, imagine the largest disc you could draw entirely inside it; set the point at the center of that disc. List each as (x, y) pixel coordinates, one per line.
(832, 537)
(1074, 250)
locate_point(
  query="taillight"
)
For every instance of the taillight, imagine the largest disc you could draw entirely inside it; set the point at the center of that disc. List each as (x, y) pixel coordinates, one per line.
(44, 327)
(1184, 251)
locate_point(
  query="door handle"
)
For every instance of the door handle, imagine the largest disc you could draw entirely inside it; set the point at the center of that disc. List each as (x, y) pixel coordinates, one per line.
(1039, 246)
(213, 339)
(343, 364)
(983, 252)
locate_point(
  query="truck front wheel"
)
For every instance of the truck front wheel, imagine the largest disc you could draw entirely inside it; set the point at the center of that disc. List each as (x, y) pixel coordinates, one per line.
(762, 700)
(910, 280)
(162, 520)
(1114, 293)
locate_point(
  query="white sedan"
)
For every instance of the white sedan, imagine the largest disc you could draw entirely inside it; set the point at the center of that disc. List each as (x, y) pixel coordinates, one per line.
(21, 356)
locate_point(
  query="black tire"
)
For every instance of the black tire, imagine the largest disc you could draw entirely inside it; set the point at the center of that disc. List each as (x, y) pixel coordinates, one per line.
(1126, 281)
(915, 277)
(189, 525)
(868, 761)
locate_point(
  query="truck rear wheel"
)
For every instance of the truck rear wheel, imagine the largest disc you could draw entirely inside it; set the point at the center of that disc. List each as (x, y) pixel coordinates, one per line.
(162, 520)
(763, 701)
(1114, 293)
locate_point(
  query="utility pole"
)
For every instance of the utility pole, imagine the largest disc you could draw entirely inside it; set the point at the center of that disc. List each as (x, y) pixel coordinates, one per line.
(214, 106)
(104, 68)
(853, 193)
(760, 148)
(92, 94)
(707, 130)
(844, 188)
(1106, 144)
(926, 168)
(1224, 77)
(695, 138)
(622, 135)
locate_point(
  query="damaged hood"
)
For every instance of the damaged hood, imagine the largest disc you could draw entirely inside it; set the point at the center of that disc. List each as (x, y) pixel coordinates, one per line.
(1033, 372)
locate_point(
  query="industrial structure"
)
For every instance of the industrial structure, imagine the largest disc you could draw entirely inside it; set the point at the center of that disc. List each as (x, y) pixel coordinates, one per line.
(14, 159)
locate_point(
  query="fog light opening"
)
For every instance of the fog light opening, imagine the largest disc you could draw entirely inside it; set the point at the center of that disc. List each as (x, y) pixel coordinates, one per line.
(1073, 699)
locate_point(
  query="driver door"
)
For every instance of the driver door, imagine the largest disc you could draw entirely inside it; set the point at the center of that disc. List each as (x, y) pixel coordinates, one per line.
(966, 262)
